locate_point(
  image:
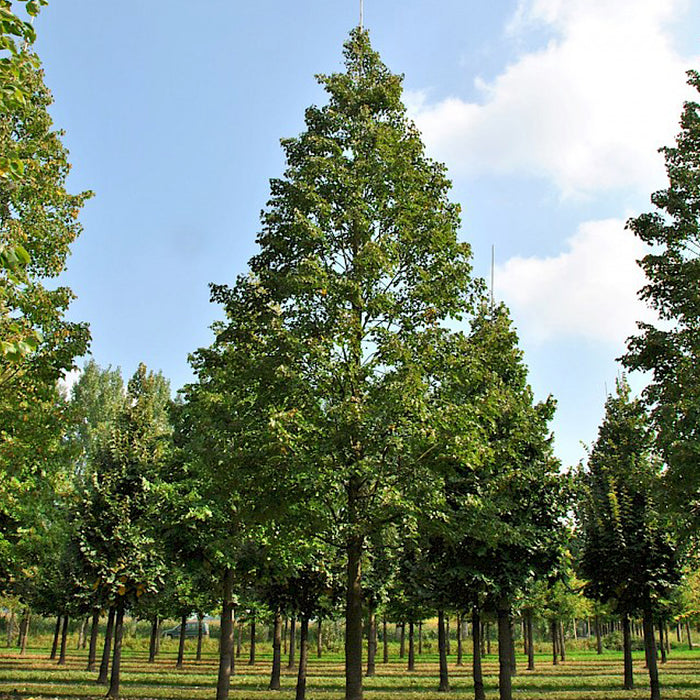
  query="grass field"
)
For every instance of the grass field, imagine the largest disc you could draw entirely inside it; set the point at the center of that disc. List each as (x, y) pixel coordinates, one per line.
(583, 676)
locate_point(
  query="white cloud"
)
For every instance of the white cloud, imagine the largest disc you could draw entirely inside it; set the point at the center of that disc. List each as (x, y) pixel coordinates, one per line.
(589, 291)
(68, 380)
(589, 110)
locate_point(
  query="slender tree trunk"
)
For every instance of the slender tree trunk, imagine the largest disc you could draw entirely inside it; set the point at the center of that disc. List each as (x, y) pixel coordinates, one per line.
(284, 635)
(92, 649)
(555, 639)
(420, 637)
(56, 635)
(575, 630)
(276, 652)
(24, 631)
(678, 633)
(64, 642)
(115, 677)
(292, 642)
(226, 642)
(598, 636)
(238, 627)
(200, 635)
(447, 636)
(505, 682)
(233, 628)
(459, 640)
(371, 641)
(181, 645)
(562, 642)
(411, 647)
(152, 642)
(444, 686)
(353, 616)
(668, 644)
(687, 632)
(319, 639)
(513, 665)
(662, 646)
(650, 652)
(530, 642)
(479, 693)
(303, 657)
(251, 657)
(11, 628)
(385, 641)
(159, 627)
(488, 638)
(627, 653)
(107, 648)
(81, 634)
(402, 641)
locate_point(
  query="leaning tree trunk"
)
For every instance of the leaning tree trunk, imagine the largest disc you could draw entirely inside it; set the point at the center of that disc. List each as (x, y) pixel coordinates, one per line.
(411, 647)
(371, 641)
(223, 682)
(56, 635)
(181, 642)
(385, 642)
(479, 693)
(627, 653)
(276, 652)
(107, 649)
(530, 642)
(444, 686)
(353, 612)
(292, 642)
(251, 657)
(115, 678)
(650, 652)
(153, 640)
(64, 641)
(303, 657)
(505, 681)
(92, 649)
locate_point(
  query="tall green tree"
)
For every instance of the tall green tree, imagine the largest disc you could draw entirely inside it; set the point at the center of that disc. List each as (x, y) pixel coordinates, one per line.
(360, 260)
(628, 556)
(670, 349)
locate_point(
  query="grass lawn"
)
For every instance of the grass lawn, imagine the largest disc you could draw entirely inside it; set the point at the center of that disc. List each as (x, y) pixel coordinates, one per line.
(583, 676)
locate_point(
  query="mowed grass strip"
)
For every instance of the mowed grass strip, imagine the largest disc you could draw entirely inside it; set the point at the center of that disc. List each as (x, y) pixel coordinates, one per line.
(584, 676)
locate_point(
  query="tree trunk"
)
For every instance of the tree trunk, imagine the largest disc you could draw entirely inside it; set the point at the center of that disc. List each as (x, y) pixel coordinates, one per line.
(181, 645)
(562, 642)
(530, 642)
(459, 640)
(284, 635)
(650, 652)
(447, 636)
(56, 635)
(115, 677)
(353, 617)
(82, 630)
(411, 647)
(276, 652)
(92, 649)
(64, 641)
(371, 641)
(402, 641)
(292, 642)
(251, 657)
(107, 648)
(24, 631)
(444, 686)
(153, 640)
(513, 665)
(11, 628)
(627, 653)
(487, 638)
(505, 682)
(662, 646)
(226, 659)
(385, 641)
(200, 635)
(690, 639)
(598, 636)
(238, 628)
(303, 657)
(420, 637)
(479, 693)
(319, 639)
(553, 632)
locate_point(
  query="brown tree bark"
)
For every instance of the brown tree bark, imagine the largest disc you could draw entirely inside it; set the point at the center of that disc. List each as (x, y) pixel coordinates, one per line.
(487, 638)
(562, 642)
(251, 657)
(200, 636)
(479, 693)
(24, 631)
(64, 641)
(530, 642)
(444, 686)
(402, 640)
(284, 636)
(628, 682)
(11, 628)
(420, 637)
(385, 642)
(687, 632)
(459, 640)
(353, 614)
(292, 642)
(223, 682)
(181, 642)
(448, 649)
(319, 639)
(152, 642)
(555, 641)
(107, 648)
(115, 678)
(411, 647)
(303, 657)
(371, 642)
(56, 635)
(505, 682)
(82, 633)
(598, 636)
(662, 646)
(650, 652)
(92, 649)
(276, 652)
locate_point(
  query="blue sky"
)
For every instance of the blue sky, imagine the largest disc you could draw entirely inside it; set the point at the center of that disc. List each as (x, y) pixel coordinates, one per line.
(548, 114)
